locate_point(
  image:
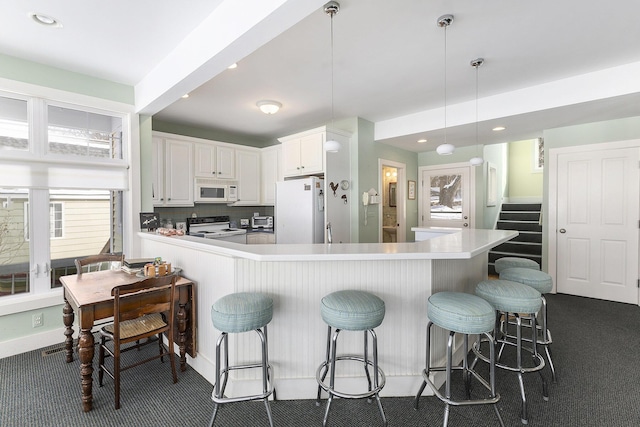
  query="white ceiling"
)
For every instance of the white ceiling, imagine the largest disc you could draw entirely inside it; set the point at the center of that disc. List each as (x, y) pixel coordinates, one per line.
(548, 63)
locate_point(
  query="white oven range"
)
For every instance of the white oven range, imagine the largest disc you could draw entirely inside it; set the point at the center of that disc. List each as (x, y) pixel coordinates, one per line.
(215, 227)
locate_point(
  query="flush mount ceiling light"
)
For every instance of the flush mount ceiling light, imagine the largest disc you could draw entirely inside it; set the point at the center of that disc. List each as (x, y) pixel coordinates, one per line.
(45, 20)
(476, 63)
(445, 149)
(269, 107)
(233, 66)
(332, 8)
(498, 128)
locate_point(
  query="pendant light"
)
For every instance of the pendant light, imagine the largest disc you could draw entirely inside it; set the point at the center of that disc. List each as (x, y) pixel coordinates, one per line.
(445, 149)
(476, 63)
(331, 8)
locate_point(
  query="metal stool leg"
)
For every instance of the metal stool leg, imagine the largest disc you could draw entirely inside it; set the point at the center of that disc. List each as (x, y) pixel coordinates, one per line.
(426, 369)
(375, 373)
(546, 339)
(326, 365)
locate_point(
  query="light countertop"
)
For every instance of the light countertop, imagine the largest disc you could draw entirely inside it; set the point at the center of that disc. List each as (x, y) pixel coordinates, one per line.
(462, 244)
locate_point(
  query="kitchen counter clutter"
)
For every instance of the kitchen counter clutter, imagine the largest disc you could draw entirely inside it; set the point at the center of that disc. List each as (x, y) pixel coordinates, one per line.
(297, 276)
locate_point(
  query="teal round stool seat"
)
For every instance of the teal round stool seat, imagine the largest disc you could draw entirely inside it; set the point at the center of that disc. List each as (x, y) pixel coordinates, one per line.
(511, 262)
(543, 283)
(352, 310)
(538, 280)
(236, 313)
(510, 297)
(514, 302)
(242, 312)
(460, 312)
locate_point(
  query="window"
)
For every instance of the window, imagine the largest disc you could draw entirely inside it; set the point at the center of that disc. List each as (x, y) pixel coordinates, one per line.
(14, 127)
(83, 133)
(61, 188)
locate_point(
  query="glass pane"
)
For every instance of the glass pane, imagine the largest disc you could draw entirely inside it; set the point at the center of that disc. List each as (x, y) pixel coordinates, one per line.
(446, 197)
(14, 248)
(14, 128)
(83, 133)
(86, 223)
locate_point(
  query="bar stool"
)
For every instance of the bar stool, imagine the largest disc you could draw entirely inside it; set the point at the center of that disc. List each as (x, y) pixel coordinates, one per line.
(511, 298)
(468, 315)
(235, 313)
(511, 262)
(543, 283)
(351, 310)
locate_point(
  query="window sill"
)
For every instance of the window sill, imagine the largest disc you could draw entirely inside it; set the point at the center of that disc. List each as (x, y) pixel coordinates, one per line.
(22, 303)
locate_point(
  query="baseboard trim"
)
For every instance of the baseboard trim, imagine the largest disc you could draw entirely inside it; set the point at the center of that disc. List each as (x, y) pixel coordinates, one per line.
(31, 342)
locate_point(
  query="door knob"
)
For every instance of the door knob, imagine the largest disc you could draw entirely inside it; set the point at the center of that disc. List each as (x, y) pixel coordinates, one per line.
(465, 225)
(562, 230)
(465, 217)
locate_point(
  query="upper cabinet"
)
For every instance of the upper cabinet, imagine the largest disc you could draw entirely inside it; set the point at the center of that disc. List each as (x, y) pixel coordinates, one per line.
(248, 173)
(271, 173)
(303, 153)
(172, 169)
(214, 161)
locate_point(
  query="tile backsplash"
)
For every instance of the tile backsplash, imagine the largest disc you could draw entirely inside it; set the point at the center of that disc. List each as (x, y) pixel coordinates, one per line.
(235, 213)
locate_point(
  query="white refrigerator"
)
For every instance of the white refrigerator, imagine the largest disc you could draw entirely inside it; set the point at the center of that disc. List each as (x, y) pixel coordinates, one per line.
(299, 211)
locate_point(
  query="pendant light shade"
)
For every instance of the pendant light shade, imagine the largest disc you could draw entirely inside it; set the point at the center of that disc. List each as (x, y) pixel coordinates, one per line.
(476, 161)
(332, 146)
(445, 149)
(331, 9)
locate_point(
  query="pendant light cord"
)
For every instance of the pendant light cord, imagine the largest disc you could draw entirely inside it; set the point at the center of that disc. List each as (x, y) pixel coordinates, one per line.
(332, 13)
(445, 84)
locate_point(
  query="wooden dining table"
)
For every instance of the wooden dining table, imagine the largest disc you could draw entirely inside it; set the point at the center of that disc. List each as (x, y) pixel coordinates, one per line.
(89, 296)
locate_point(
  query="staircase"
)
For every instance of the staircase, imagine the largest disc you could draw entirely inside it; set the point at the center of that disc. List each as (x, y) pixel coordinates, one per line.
(525, 218)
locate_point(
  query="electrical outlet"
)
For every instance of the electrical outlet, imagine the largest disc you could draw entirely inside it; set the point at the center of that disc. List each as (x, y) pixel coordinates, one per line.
(37, 320)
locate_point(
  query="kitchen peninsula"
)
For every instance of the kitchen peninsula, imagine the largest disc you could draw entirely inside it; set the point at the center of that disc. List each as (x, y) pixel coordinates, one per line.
(297, 276)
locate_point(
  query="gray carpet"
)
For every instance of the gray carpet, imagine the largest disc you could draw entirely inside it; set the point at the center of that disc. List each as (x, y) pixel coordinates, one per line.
(596, 351)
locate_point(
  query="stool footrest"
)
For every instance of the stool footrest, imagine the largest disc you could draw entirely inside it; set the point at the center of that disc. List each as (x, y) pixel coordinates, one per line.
(489, 400)
(328, 389)
(260, 396)
(539, 365)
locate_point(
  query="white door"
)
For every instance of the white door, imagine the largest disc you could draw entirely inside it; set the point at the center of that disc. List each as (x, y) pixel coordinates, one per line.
(446, 196)
(597, 224)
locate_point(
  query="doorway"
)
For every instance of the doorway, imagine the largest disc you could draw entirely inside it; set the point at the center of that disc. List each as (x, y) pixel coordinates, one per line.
(392, 216)
(447, 196)
(593, 222)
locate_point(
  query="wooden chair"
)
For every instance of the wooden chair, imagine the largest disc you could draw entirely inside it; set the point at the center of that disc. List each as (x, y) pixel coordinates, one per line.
(97, 262)
(140, 310)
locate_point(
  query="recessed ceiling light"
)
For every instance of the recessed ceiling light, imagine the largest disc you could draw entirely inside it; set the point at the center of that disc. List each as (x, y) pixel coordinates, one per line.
(498, 128)
(45, 20)
(422, 141)
(185, 96)
(232, 66)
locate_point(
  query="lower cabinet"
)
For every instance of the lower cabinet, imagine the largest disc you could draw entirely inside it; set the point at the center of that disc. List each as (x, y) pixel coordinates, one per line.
(260, 238)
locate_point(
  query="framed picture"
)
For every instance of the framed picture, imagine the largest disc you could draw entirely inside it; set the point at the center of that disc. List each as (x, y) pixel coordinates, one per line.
(149, 221)
(412, 190)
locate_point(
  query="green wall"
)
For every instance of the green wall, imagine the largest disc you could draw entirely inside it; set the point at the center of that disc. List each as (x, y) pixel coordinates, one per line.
(56, 78)
(524, 181)
(368, 154)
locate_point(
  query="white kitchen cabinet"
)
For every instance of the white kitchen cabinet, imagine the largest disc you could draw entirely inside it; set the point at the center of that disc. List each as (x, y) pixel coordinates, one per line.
(259, 238)
(271, 173)
(172, 169)
(303, 153)
(214, 161)
(248, 174)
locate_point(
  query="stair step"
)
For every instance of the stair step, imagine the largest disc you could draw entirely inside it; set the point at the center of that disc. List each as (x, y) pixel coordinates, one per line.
(526, 248)
(528, 236)
(518, 225)
(520, 216)
(521, 207)
(493, 256)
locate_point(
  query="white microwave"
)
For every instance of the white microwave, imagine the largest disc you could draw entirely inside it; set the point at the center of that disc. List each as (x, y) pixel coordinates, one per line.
(215, 191)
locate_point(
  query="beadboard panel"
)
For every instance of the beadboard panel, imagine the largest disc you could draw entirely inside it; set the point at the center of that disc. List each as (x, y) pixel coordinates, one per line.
(297, 334)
